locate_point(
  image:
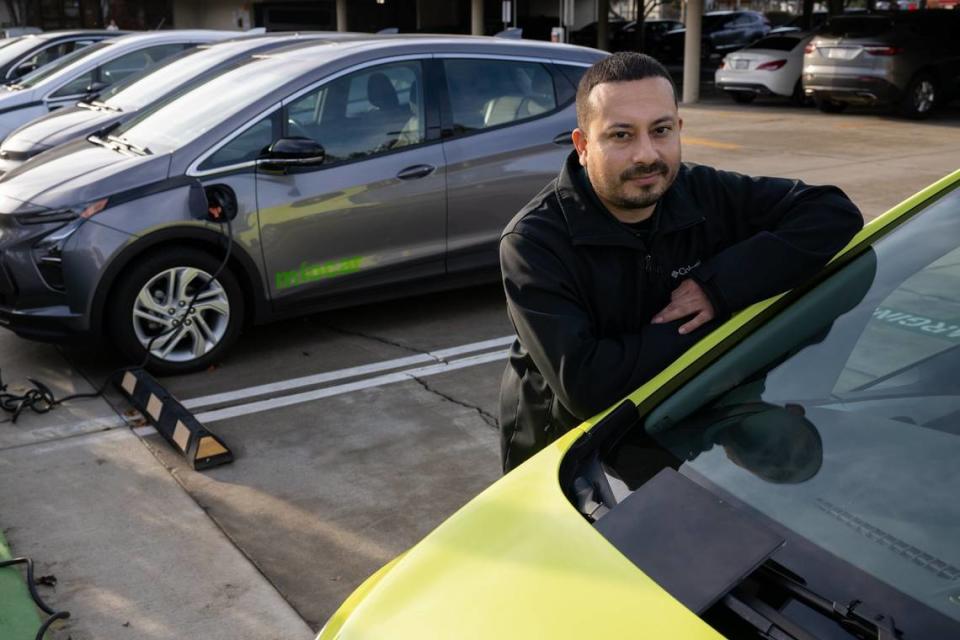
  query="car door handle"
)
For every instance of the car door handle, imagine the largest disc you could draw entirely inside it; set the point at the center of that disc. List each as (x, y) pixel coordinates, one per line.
(563, 138)
(416, 171)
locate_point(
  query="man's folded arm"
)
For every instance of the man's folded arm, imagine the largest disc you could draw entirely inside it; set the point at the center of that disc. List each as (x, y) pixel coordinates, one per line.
(587, 372)
(783, 232)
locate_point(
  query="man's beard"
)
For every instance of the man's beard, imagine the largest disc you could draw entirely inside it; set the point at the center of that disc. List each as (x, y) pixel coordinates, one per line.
(650, 195)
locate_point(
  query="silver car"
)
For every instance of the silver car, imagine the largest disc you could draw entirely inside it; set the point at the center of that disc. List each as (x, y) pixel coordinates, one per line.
(349, 170)
(85, 73)
(909, 60)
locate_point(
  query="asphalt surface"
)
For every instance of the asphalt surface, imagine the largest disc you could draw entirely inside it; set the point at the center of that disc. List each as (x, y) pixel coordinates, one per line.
(379, 424)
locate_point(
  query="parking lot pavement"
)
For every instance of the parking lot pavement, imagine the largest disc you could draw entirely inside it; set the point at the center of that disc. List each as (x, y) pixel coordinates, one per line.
(380, 421)
(324, 493)
(132, 555)
(20, 360)
(877, 159)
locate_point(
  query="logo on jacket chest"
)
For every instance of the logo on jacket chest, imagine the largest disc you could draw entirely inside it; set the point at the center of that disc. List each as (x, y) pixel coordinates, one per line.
(682, 271)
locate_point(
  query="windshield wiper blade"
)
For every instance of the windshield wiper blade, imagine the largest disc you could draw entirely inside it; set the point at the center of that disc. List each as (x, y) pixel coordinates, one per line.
(854, 616)
(106, 107)
(143, 151)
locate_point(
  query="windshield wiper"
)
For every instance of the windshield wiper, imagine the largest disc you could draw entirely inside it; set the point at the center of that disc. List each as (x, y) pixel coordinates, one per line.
(143, 151)
(855, 616)
(106, 107)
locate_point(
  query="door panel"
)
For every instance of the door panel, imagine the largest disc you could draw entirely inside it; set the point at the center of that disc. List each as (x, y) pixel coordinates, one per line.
(375, 212)
(505, 153)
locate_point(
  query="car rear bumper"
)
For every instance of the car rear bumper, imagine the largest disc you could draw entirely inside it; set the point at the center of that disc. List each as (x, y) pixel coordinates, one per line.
(745, 87)
(860, 89)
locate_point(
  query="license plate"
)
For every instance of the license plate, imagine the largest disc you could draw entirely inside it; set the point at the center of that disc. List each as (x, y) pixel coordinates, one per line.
(741, 64)
(843, 53)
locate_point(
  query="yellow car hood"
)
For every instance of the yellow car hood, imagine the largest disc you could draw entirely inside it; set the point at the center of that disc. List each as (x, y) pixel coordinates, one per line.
(518, 561)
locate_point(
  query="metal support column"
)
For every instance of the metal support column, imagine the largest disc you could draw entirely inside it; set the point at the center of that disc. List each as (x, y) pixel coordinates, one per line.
(603, 25)
(476, 17)
(341, 15)
(691, 52)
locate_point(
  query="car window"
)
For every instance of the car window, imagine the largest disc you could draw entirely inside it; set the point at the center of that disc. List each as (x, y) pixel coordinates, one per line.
(76, 87)
(41, 58)
(247, 146)
(136, 61)
(488, 93)
(60, 64)
(776, 43)
(366, 112)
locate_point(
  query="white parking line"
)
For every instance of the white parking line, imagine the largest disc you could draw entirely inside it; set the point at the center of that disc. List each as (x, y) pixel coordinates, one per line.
(340, 374)
(326, 392)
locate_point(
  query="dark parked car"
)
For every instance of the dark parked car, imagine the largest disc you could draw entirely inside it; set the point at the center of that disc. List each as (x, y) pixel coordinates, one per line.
(24, 54)
(625, 36)
(908, 60)
(722, 31)
(654, 32)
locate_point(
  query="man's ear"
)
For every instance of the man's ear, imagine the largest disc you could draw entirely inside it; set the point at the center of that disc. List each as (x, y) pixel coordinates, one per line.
(580, 144)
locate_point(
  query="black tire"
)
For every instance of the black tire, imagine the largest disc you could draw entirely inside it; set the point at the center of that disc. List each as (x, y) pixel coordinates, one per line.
(798, 97)
(742, 97)
(920, 98)
(158, 269)
(829, 106)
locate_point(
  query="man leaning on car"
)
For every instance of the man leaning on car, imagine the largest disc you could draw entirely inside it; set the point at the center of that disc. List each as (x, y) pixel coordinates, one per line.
(629, 257)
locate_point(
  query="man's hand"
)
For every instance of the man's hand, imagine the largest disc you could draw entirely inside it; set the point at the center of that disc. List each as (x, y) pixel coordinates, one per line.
(687, 300)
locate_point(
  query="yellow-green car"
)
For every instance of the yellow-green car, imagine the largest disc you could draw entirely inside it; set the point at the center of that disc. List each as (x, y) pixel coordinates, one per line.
(794, 475)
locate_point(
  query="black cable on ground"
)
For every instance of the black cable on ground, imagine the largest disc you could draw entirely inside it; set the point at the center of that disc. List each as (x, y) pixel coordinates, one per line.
(40, 398)
(32, 586)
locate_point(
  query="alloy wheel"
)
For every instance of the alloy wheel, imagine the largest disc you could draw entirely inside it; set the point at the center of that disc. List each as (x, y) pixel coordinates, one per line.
(160, 314)
(924, 96)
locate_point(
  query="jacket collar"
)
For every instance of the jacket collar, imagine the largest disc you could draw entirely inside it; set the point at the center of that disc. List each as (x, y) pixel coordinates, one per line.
(589, 222)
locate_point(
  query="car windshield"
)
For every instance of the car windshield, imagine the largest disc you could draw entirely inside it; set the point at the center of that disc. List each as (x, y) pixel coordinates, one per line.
(856, 26)
(173, 73)
(776, 43)
(840, 418)
(171, 124)
(47, 71)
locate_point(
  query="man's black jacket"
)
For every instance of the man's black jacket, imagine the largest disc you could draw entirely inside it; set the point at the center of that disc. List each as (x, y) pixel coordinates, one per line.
(582, 288)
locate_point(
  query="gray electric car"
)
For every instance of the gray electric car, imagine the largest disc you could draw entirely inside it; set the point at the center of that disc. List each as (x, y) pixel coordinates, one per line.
(123, 100)
(348, 170)
(88, 71)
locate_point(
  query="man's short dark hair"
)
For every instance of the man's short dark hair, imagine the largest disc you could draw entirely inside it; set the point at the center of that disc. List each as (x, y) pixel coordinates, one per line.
(619, 67)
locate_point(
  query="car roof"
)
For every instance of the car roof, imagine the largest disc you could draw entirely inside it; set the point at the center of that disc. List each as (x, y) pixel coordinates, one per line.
(356, 43)
(172, 35)
(77, 33)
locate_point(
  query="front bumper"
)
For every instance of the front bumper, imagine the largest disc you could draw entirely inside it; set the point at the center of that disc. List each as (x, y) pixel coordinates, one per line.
(45, 324)
(48, 294)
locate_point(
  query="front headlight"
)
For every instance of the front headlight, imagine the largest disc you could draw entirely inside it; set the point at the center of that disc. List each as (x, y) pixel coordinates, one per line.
(66, 214)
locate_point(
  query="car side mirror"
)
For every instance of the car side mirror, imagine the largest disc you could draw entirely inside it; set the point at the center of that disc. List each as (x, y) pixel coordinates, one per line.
(292, 152)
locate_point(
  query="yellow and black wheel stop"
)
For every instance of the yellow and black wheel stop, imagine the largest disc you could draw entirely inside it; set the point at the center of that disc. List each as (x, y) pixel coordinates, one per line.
(181, 429)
